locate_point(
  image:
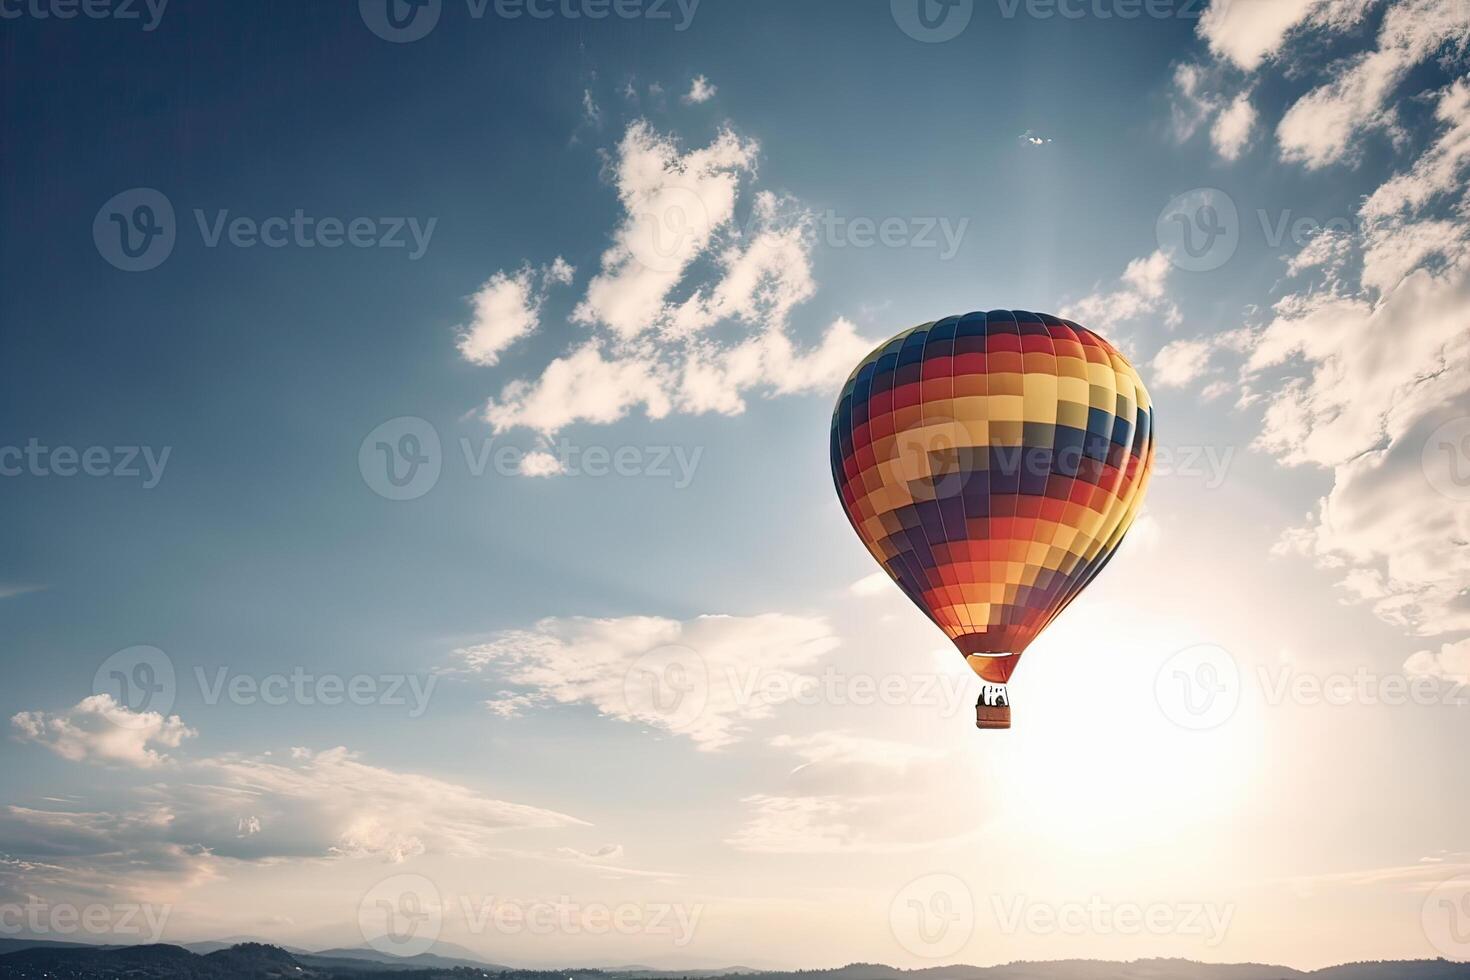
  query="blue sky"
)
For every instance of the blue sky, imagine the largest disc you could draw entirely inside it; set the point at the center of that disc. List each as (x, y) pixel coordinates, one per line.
(1031, 162)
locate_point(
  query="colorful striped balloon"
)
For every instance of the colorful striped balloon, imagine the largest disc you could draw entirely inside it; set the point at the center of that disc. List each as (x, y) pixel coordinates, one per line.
(992, 463)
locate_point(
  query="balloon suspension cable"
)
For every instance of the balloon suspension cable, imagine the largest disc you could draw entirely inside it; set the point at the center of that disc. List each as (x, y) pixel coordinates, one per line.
(993, 710)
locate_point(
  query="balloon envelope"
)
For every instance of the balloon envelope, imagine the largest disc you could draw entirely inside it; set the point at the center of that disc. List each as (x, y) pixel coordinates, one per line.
(992, 463)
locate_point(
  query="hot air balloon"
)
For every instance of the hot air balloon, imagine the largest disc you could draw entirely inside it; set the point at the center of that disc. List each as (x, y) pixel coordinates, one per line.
(992, 463)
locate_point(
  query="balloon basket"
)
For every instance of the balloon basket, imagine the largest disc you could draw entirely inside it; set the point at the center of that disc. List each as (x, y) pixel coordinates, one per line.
(993, 709)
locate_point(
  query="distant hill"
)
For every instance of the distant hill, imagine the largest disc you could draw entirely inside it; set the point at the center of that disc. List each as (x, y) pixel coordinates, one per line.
(10, 945)
(260, 961)
(423, 961)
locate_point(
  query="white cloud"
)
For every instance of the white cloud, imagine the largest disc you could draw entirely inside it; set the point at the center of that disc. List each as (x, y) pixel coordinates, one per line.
(508, 307)
(591, 111)
(100, 730)
(331, 804)
(678, 268)
(1140, 293)
(700, 91)
(1181, 362)
(510, 704)
(1362, 375)
(1450, 663)
(1032, 138)
(1231, 133)
(1439, 170)
(540, 463)
(582, 386)
(674, 203)
(876, 584)
(1247, 33)
(129, 853)
(706, 678)
(197, 818)
(1321, 127)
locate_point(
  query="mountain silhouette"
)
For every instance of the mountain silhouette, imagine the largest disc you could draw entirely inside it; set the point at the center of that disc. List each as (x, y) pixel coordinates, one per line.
(262, 961)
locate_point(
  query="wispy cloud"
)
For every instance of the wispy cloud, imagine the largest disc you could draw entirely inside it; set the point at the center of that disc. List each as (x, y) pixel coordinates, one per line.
(651, 351)
(700, 91)
(702, 678)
